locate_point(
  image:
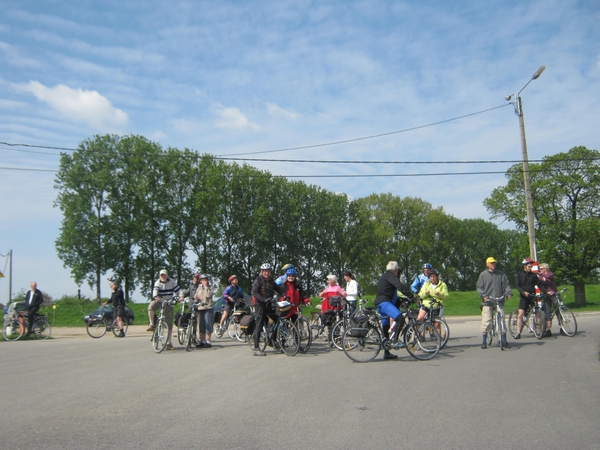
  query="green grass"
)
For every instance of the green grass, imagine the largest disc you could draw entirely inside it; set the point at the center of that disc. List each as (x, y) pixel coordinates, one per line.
(69, 311)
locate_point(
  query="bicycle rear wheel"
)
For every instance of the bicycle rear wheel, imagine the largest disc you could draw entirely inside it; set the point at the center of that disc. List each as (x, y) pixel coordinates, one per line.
(160, 336)
(288, 337)
(262, 340)
(96, 328)
(538, 323)
(115, 327)
(362, 349)
(41, 328)
(305, 334)
(422, 341)
(567, 321)
(444, 331)
(512, 322)
(13, 330)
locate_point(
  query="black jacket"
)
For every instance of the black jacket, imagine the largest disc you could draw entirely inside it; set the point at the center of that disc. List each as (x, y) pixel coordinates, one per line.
(263, 288)
(526, 282)
(387, 286)
(37, 299)
(117, 298)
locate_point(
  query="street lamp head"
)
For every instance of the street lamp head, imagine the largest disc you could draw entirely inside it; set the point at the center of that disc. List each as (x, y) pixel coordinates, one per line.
(509, 97)
(537, 74)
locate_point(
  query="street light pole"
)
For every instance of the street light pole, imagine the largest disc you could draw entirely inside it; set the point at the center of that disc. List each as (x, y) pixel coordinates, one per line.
(526, 178)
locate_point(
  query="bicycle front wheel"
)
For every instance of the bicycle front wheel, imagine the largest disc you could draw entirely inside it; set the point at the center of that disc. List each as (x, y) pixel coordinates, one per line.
(337, 333)
(42, 328)
(13, 330)
(305, 334)
(422, 341)
(160, 336)
(362, 349)
(512, 322)
(96, 328)
(316, 325)
(181, 330)
(567, 321)
(490, 336)
(189, 335)
(538, 323)
(288, 337)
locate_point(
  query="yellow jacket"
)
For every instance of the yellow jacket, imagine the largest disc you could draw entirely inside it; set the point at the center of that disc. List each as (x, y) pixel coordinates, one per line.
(439, 292)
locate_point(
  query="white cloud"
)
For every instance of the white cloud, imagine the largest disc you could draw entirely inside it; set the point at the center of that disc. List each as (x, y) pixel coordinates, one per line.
(277, 111)
(233, 118)
(88, 107)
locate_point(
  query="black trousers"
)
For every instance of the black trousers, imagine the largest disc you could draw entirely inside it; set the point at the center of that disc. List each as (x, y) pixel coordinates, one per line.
(31, 314)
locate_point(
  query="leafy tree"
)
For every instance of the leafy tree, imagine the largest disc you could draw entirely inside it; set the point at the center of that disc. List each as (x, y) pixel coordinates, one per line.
(83, 184)
(567, 212)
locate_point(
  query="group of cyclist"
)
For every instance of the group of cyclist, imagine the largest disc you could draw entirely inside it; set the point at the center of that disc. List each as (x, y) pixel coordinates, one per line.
(493, 287)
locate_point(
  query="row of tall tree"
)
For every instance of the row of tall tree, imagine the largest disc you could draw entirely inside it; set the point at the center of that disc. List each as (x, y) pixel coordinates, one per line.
(131, 208)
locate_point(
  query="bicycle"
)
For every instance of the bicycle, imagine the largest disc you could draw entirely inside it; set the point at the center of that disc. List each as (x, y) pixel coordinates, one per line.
(534, 319)
(15, 326)
(182, 323)
(337, 332)
(434, 318)
(97, 325)
(566, 318)
(304, 330)
(230, 322)
(287, 336)
(190, 337)
(498, 325)
(160, 335)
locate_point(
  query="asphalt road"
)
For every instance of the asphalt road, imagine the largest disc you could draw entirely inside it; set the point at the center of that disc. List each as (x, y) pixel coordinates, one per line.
(117, 393)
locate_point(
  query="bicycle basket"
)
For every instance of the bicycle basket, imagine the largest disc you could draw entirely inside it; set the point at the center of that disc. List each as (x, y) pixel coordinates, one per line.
(283, 308)
(359, 325)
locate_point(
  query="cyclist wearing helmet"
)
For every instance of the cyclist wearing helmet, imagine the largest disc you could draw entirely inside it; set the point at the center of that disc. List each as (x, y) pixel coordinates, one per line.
(232, 294)
(421, 279)
(263, 289)
(525, 282)
(294, 291)
(283, 278)
(434, 288)
(387, 294)
(492, 283)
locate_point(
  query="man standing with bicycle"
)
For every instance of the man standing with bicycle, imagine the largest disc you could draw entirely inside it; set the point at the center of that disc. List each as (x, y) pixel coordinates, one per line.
(263, 289)
(551, 297)
(34, 300)
(164, 290)
(118, 300)
(525, 282)
(492, 283)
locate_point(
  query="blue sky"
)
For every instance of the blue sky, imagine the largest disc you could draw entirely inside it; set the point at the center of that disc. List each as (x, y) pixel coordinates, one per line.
(227, 77)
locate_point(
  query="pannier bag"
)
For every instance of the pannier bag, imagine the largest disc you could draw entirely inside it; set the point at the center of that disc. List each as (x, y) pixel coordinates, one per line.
(186, 318)
(359, 325)
(237, 316)
(247, 324)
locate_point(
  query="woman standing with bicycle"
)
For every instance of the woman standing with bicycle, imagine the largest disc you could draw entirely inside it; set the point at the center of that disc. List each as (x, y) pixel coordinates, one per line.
(351, 290)
(204, 304)
(552, 290)
(436, 289)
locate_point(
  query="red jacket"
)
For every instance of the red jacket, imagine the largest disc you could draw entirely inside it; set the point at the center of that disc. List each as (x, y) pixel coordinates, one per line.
(296, 294)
